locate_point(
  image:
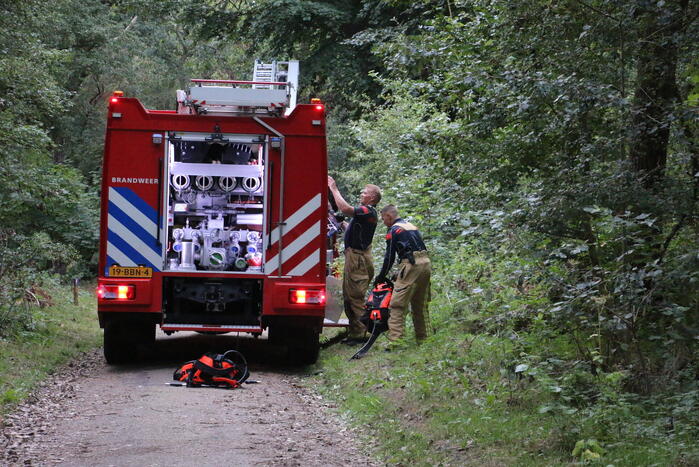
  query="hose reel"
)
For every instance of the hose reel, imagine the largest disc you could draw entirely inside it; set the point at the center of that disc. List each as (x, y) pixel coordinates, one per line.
(227, 184)
(251, 184)
(204, 182)
(180, 182)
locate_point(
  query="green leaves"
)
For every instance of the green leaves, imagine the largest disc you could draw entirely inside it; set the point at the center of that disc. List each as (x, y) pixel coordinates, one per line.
(588, 450)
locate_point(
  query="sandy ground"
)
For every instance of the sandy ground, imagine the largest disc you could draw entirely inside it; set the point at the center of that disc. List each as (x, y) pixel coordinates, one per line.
(93, 414)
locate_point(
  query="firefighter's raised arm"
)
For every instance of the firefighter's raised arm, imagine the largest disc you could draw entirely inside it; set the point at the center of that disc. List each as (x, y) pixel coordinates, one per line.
(342, 205)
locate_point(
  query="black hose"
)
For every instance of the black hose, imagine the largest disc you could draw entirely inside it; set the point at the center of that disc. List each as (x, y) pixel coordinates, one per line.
(240, 357)
(367, 345)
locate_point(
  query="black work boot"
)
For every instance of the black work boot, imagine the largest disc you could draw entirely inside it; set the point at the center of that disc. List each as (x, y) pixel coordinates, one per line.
(352, 341)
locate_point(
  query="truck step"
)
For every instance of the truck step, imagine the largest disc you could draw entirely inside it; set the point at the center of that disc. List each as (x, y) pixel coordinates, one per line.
(340, 323)
(211, 327)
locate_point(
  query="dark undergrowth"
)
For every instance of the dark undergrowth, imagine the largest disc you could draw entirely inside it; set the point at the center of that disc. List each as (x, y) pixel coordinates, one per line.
(495, 386)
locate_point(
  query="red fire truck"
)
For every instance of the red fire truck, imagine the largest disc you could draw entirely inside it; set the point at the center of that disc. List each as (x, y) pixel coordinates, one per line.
(214, 215)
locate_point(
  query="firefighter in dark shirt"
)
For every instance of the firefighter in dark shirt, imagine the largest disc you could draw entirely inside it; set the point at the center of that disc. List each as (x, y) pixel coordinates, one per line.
(359, 265)
(412, 284)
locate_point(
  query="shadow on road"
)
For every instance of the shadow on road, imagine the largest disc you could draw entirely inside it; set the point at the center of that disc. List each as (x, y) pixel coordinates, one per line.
(184, 346)
(174, 350)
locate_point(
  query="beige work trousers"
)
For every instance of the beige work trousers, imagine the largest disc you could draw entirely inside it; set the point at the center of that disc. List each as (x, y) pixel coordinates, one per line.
(412, 287)
(359, 270)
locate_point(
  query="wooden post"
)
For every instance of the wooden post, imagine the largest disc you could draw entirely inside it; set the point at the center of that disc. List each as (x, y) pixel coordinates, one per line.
(75, 292)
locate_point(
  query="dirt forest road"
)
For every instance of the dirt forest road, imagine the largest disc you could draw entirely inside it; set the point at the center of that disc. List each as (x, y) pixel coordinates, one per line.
(92, 414)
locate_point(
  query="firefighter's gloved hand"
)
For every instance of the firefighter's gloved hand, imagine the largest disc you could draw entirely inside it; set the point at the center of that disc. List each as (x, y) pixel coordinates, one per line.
(379, 280)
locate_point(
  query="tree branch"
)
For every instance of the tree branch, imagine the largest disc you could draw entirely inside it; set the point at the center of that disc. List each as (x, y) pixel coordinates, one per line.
(128, 26)
(597, 10)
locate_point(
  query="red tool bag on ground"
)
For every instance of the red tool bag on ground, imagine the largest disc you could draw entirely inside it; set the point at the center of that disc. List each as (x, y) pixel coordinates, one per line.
(228, 370)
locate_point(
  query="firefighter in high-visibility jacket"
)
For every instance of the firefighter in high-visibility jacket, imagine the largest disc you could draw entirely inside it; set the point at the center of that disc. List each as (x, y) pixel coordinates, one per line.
(412, 284)
(359, 265)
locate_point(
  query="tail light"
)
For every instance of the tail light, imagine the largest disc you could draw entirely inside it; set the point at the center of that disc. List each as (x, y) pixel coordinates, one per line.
(116, 292)
(114, 99)
(317, 104)
(313, 297)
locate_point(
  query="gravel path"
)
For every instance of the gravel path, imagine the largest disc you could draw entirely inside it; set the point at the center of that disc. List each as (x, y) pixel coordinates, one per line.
(92, 414)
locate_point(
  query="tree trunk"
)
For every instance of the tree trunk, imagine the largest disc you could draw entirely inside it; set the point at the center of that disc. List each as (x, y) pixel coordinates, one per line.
(656, 89)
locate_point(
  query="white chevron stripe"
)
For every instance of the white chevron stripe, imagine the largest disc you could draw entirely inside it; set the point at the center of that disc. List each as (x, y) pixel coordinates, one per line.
(135, 242)
(292, 248)
(305, 265)
(118, 256)
(294, 219)
(133, 212)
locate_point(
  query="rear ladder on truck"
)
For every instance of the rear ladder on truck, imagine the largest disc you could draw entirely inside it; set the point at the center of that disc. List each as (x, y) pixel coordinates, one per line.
(272, 92)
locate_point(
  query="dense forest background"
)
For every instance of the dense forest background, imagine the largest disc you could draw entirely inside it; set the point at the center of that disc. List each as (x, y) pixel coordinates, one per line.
(548, 150)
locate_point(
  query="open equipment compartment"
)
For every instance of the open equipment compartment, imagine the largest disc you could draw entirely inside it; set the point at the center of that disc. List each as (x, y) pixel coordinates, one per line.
(216, 200)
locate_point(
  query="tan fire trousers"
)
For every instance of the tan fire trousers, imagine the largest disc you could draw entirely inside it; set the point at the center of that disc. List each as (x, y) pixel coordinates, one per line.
(359, 269)
(412, 287)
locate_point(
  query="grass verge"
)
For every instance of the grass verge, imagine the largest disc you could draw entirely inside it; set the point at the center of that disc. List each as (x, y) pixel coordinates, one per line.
(56, 334)
(456, 400)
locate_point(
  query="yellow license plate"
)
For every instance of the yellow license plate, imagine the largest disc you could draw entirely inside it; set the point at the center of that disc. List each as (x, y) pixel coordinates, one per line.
(130, 271)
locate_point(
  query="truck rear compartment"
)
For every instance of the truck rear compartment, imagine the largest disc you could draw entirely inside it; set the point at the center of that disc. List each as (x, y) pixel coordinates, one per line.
(207, 301)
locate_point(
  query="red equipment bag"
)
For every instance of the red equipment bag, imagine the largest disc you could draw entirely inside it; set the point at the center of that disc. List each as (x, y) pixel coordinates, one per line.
(376, 313)
(376, 308)
(228, 370)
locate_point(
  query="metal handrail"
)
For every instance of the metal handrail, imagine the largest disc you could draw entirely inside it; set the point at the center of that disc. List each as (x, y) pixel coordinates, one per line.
(227, 81)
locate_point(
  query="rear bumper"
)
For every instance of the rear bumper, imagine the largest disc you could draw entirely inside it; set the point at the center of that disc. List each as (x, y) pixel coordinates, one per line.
(210, 328)
(149, 299)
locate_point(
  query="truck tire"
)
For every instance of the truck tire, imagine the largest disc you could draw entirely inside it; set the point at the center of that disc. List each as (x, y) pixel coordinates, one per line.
(116, 347)
(303, 346)
(302, 342)
(125, 339)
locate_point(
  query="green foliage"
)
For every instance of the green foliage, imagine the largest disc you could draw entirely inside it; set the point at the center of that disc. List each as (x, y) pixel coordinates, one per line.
(516, 142)
(25, 260)
(131, 46)
(453, 400)
(588, 450)
(331, 38)
(505, 134)
(58, 66)
(39, 199)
